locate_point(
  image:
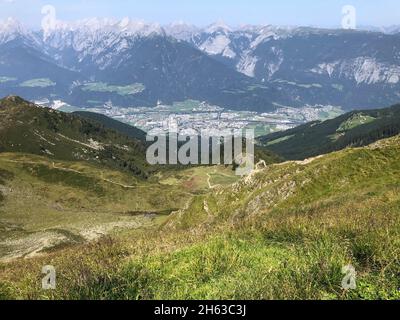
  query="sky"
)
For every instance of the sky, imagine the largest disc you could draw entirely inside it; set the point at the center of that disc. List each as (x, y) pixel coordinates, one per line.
(323, 13)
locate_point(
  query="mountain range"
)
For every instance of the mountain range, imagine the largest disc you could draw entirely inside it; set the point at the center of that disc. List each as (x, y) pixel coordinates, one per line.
(259, 68)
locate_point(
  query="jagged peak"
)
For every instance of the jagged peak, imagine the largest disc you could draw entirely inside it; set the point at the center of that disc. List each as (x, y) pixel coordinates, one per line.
(219, 26)
(126, 25)
(11, 29)
(182, 26)
(181, 30)
(11, 24)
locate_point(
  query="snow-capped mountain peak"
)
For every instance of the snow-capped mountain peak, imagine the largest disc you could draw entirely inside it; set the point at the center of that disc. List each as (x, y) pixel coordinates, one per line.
(139, 27)
(126, 26)
(181, 30)
(219, 26)
(96, 35)
(10, 24)
(11, 29)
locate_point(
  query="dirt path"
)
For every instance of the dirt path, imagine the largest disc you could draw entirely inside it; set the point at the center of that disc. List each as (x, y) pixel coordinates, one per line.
(116, 183)
(66, 169)
(54, 166)
(210, 186)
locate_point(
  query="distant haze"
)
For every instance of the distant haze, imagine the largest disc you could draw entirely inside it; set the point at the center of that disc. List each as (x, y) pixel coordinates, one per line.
(325, 13)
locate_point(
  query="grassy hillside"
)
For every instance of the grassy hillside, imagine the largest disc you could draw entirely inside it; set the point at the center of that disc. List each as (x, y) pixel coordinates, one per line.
(27, 128)
(354, 129)
(47, 204)
(284, 232)
(118, 126)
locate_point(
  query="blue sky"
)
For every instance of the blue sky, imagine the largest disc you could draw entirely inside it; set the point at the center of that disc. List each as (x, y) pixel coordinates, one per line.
(326, 13)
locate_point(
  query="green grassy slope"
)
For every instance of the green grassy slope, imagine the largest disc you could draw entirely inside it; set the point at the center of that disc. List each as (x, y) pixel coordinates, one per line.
(354, 129)
(118, 126)
(284, 232)
(27, 128)
(47, 203)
